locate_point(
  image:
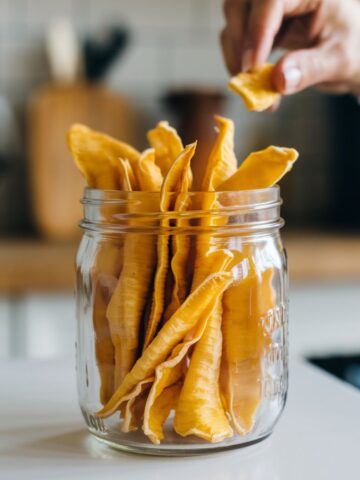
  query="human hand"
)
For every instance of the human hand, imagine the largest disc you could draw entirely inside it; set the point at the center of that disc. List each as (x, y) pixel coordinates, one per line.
(322, 39)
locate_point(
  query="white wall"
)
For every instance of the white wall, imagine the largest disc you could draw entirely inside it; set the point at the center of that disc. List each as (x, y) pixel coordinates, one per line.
(173, 41)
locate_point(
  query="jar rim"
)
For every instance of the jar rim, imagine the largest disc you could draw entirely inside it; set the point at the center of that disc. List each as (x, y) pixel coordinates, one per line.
(97, 196)
(274, 187)
(113, 211)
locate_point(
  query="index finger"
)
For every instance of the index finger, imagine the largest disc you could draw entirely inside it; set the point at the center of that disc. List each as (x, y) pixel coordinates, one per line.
(264, 23)
(236, 12)
(265, 20)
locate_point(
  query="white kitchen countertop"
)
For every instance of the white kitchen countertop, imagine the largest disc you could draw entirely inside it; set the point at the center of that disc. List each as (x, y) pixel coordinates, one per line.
(42, 434)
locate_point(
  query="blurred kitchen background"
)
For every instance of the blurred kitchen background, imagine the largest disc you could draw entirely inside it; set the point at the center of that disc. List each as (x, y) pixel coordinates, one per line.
(120, 66)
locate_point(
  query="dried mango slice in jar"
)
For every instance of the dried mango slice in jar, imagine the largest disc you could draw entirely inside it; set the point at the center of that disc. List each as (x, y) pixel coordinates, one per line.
(96, 156)
(176, 180)
(99, 158)
(128, 301)
(261, 169)
(167, 144)
(247, 302)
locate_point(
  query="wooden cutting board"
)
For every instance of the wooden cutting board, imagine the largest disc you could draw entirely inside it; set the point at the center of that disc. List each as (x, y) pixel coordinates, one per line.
(56, 184)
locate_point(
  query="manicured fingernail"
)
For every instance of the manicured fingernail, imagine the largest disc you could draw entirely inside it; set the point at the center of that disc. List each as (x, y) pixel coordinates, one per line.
(292, 78)
(247, 60)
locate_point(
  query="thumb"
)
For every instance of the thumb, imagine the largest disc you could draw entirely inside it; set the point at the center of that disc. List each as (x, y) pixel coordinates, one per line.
(300, 69)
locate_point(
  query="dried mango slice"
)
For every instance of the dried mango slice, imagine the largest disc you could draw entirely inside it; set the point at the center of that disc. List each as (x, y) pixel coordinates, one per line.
(221, 165)
(261, 169)
(247, 302)
(148, 174)
(222, 161)
(256, 88)
(170, 371)
(161, 409)
(133, 413)
(200, 303)
(167, 144)
(179, 262)
(246, 305)
(199, 410)
(175, 180)
(167, 373)
(158, 298)
(129, 299)
(217, 260)
(137, 399)
(207, 418)
(96, 156)
(134, 406)
(205, 242)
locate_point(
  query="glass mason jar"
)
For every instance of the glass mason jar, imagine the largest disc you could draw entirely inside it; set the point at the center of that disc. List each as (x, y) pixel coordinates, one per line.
(182, 320)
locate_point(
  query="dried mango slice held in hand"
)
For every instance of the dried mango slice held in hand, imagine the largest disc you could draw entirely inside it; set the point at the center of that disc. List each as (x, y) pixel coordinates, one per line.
(256, 88)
